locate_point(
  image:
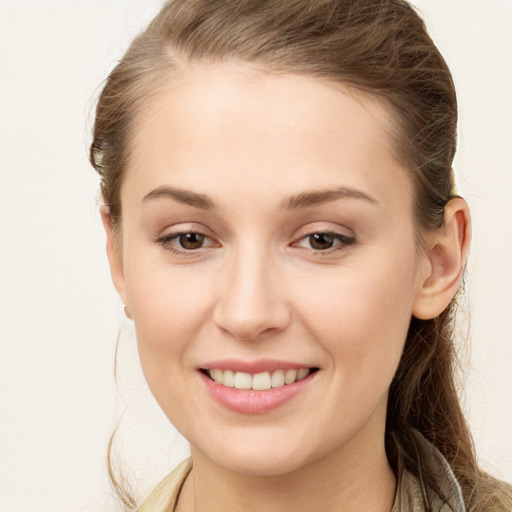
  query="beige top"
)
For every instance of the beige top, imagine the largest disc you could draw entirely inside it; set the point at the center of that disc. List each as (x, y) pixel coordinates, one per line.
(409, 494)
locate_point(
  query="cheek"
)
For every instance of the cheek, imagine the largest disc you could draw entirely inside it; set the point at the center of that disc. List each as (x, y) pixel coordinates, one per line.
(169, 308)
(360, 315)
(169, 314)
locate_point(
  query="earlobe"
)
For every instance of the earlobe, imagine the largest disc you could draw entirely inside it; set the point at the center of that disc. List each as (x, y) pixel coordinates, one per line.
(113, 254)
(446, 254)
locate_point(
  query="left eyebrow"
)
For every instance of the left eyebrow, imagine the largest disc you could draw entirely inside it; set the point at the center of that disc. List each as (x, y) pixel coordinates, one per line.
(316, 197)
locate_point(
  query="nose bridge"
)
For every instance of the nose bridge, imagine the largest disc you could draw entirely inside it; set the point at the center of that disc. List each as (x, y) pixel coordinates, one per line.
(250, 302)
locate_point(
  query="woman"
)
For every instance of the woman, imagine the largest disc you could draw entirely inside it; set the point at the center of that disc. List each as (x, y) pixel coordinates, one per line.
(283, 229)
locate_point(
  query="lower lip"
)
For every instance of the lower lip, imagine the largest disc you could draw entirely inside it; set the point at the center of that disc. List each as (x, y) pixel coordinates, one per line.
(248, 401)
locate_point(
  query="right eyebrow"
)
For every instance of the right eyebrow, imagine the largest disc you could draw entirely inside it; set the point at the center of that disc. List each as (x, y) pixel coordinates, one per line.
(194, 199)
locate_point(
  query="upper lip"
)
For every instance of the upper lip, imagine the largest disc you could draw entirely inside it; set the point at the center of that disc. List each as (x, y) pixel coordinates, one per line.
(258, 366)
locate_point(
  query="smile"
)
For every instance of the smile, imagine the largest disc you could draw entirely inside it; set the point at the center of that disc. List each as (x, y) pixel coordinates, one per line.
(256, 391)
(259, 381)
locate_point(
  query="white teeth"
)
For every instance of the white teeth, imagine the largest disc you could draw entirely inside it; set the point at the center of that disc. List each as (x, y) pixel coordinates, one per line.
(243, 380)
(303, 372)
(278, 379)
(229, 379)
(290, 377)
(260, 381)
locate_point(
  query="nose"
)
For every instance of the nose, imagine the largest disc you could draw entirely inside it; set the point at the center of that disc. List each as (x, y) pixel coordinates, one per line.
(251, 301)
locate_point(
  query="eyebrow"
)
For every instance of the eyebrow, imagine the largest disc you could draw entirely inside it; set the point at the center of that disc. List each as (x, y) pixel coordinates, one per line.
(194, 199)
(316, 197)
(296, 202)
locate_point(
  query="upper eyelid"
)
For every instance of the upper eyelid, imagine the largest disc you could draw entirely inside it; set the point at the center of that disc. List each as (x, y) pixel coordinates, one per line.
(171, 236)
(316, 227)
(181, 229)
(339, 236)
(309, 230)
(326, 232)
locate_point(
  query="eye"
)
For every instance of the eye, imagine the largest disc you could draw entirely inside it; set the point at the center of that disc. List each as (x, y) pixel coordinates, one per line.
(191, 241)
(321, 241)
(185, 242)
(324, 241)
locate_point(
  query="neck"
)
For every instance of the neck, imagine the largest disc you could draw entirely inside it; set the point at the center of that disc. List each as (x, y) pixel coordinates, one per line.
(355, 477)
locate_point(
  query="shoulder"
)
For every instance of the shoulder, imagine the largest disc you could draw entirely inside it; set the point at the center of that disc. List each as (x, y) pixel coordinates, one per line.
(495, 496)
(500, 495)
(164, 496)
(413, 495)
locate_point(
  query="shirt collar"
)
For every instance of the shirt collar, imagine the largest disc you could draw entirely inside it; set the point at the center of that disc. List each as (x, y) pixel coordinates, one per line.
(411, 493)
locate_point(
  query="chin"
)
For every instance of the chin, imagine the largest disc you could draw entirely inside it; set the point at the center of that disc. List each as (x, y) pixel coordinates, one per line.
(261, 454)
(262, 464)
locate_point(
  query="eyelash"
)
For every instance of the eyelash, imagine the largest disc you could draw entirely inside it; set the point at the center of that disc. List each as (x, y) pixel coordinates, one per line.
(166, 242)
(344, 241)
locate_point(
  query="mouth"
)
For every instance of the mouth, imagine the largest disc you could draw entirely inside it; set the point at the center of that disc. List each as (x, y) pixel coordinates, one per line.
(261, 381)
(256, 387)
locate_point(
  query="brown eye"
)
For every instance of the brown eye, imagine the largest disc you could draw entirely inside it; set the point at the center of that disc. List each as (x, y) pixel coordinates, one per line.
(191, 241)
(321, 241)
(325, 242)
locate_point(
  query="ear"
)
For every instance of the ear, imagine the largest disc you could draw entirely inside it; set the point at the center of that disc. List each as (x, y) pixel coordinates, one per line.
(445, 258)
(114, 254)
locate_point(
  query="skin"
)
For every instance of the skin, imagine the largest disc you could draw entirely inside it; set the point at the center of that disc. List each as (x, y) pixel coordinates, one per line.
(258, 289)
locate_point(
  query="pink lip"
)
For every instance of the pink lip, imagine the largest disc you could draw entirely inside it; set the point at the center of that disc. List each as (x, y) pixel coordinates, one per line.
(255, 402)
(261, 365)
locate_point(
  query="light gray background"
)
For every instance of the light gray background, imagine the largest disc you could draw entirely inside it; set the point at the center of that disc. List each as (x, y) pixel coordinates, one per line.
(59, 314)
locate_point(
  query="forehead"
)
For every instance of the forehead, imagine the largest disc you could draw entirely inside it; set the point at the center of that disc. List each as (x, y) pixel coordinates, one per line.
(219, 123)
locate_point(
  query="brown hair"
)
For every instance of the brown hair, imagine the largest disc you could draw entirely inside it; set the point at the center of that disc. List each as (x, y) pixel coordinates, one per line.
(381, 47)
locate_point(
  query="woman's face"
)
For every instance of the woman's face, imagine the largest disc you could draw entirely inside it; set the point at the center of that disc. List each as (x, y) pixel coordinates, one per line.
(267, 228)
